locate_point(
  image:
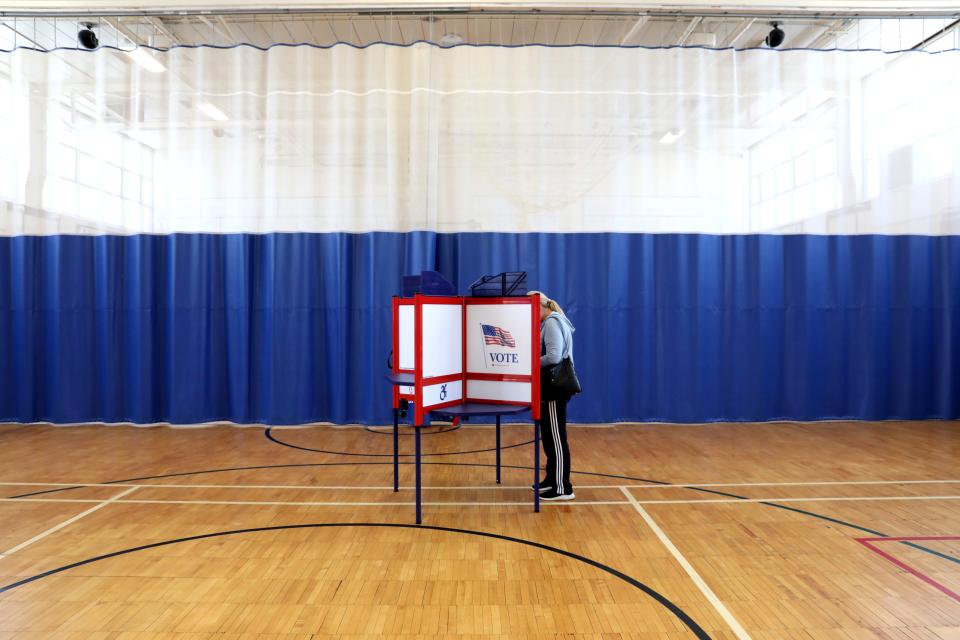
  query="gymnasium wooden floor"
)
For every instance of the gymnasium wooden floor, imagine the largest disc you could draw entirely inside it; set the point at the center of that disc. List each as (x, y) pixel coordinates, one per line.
(125, 532)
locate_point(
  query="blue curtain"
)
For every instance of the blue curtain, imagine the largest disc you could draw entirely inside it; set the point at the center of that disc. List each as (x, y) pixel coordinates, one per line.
(294, 328)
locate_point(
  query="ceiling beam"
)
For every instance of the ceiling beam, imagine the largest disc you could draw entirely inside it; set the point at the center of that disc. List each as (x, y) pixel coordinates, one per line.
(635, 29)
(160, 26)
(831, 32)
(690, 27)
(125, 31)
(738, 31)
(216, 28)
(744, 8)
(936, 36)
(20, 34)
(226, 27)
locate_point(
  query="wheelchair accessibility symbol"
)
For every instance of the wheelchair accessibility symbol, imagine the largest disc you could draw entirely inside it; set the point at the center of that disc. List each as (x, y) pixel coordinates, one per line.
(443, 392)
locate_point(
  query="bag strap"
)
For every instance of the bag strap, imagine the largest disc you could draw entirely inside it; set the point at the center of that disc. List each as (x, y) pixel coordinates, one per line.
(557, 320)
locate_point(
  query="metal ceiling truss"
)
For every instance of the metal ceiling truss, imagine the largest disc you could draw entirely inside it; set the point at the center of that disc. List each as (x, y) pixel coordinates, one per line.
(705, 11)
(723, 30)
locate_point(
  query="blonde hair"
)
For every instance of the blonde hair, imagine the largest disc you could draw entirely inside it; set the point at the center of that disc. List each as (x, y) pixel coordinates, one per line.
(545, 301)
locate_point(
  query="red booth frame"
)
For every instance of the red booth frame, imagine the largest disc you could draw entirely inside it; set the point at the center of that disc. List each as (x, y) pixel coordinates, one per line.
(419, 381)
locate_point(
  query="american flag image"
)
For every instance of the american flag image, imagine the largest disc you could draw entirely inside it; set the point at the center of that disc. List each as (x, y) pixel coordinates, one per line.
(496, 335)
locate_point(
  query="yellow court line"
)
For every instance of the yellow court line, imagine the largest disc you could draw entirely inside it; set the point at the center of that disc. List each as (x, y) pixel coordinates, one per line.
(288, 486)
(705, 589)
(839, 483)
(295, 503)
(816, 499)
(498, 503)
(54, 529)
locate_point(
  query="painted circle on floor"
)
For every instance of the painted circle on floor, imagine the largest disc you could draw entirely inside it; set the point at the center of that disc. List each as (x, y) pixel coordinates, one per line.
(270, 436)
(681, 615)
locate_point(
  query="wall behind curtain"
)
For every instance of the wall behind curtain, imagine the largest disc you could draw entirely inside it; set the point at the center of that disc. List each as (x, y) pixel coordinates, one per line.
(750, 235)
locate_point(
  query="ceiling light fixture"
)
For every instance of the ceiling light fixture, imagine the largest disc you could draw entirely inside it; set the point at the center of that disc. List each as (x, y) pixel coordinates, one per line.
(213, 112)
(671, 136)
(145, 60)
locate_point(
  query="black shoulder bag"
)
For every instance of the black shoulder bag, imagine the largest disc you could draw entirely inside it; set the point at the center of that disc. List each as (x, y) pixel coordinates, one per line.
(560, 379)
(563, 378)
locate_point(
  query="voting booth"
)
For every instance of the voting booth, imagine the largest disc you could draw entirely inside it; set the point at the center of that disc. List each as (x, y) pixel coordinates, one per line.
(460, 357)
(461, 350)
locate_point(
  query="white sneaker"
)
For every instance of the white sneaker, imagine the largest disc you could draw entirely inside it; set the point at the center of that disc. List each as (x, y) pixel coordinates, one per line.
(553, 495)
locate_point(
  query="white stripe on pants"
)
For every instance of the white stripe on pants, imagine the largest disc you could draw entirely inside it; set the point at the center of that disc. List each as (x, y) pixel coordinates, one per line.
(555, 430)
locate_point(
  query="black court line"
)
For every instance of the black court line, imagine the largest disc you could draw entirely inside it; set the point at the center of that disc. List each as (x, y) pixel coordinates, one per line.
(829, 519)
(269, 434)
(389, 431)
(703, 490)
(670, 606)
(856, 526)
(508, 466)
(323, 464)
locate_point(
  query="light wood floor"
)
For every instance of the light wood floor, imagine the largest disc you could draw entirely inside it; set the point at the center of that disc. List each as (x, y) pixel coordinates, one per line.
(766, 547)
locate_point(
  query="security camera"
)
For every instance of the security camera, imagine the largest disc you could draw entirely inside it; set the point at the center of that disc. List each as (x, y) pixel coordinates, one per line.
(775, 37)
(87, 38)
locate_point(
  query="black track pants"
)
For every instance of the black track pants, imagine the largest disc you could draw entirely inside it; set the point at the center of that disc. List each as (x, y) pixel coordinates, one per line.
(553, 427)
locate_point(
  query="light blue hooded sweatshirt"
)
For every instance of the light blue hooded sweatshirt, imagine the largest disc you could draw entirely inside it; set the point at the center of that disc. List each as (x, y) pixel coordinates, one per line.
(556, 339)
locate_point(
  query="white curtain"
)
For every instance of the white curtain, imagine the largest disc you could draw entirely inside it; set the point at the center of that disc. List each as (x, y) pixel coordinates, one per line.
(479, 138)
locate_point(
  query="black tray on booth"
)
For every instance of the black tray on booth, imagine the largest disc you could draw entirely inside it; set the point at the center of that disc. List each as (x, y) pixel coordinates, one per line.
(508, 283)
(429, 283)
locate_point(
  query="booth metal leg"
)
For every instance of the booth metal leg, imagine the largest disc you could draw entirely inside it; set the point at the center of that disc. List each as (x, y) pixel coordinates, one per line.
(417, 439)
(396, 453)
(536, 466)
(498, 449)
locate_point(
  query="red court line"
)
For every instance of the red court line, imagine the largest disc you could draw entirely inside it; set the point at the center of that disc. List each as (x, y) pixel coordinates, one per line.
(867, 542)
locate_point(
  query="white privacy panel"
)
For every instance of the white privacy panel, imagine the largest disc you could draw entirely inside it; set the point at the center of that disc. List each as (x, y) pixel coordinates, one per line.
(499, 339)
(442, 346)
(435, 394)
(493, 390)
(407, 356)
